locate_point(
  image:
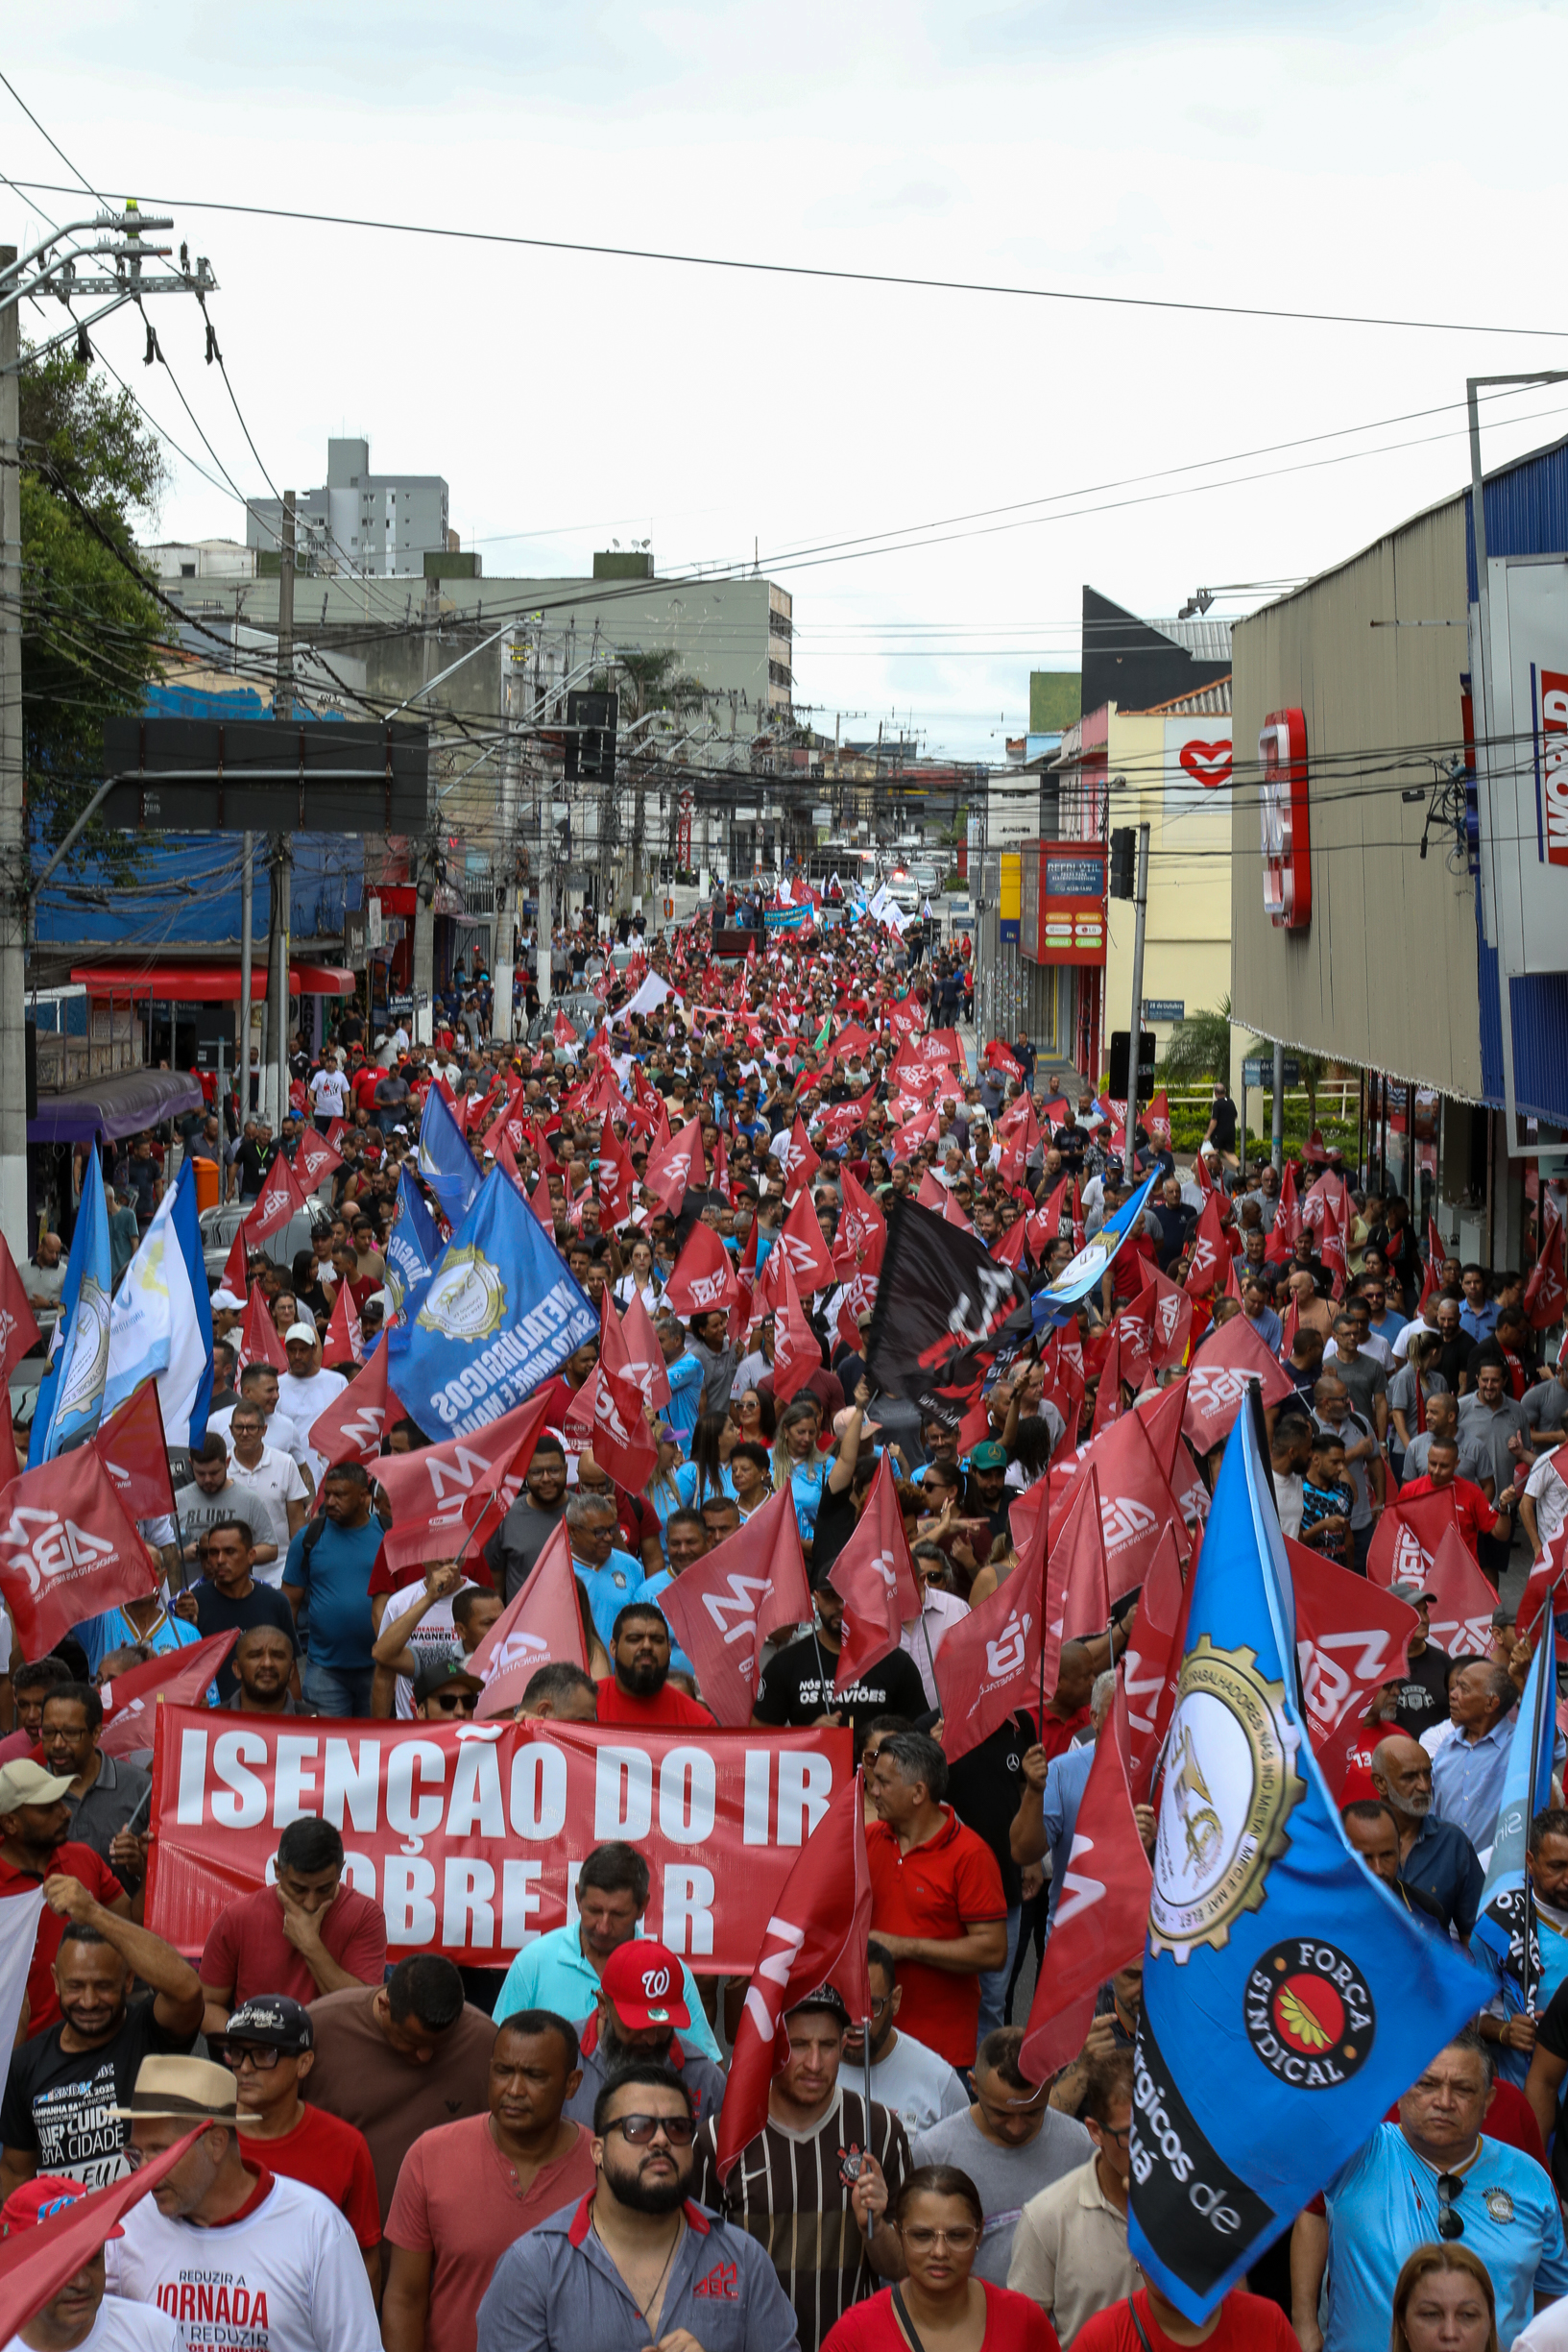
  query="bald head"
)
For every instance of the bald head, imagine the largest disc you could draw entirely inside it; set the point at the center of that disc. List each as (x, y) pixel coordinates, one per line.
(1402, 1777)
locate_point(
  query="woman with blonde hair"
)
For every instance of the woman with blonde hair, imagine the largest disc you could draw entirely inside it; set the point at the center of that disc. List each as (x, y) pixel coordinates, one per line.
(1444, 2302)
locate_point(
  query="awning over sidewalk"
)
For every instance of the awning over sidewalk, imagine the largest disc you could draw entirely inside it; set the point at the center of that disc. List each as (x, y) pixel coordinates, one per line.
(110, 1107)
(207, 983)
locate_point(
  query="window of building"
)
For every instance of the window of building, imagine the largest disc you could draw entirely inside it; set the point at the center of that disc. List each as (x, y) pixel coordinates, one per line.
(188, 572)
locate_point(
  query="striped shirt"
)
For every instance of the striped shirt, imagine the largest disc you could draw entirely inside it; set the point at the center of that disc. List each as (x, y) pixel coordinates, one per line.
(788, 2192)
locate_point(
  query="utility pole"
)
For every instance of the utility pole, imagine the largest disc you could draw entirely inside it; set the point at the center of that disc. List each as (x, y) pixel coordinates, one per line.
(247, 960)
(1277, 1141)
(1140, 910)
(14, 860)
(282, 862)
(505, 864)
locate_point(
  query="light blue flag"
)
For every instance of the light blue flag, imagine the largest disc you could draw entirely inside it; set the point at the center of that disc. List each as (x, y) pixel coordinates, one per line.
(161, 1326)
(1057, 1302)
(1505, 1936)
(1288, 2000)
(413, 1247)
(500, 1315)
(71, 1394)
(445, 1163)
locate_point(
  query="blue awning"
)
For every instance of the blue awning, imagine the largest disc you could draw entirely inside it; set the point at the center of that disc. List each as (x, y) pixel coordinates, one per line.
(110, 1107)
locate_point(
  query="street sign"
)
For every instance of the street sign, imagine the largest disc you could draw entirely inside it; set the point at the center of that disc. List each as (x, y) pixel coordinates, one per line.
(1258, 1071)
(1165, 1008)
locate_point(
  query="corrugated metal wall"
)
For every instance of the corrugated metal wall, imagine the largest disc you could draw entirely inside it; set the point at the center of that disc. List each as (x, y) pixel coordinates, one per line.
(1386, 975)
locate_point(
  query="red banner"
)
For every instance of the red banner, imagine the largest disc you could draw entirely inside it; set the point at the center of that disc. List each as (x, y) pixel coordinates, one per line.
(470, 1836)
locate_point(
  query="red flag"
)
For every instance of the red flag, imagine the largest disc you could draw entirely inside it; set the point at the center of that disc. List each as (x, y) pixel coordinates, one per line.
(236, 1267)
(644, 1358)
(1169, 1320)
(1207, 1251)
(1351, 1638)
(875, 1579)
(131, 1447)
(1233, 1280)
(18, 1331)
(1460, 1613)
(1287, 1342)
(1545, 1293)
(796, 1351)
(447, 1497)
(1437, 1260)
(67, 1551)
(1008, 1250)
(1101, 1913)
(703, 1279)
(931, 1193)
(862, 1229)
(1135, 1500)
(798, 1160)
(351, 1427)
(543, 1206)
(278, 1199)
(817, 1936)
(1336, 1226)
(617, 1179)
(676, 1168)
(990, 1663)
(1407, 1536)
(180, 1676)
(726, 1605)
(343, 1341)
(542, 1627)
(1546, 1570)
(34, 2264)
(1286, 1229)
(258, 1337)
(1078, 1585)
(314, 1157)
(809, 1260)
(1151, 1667)
(561, 1033)
(997, 1057)
(1217, 1382)
(622, 1446)
(1108, 1406)
(1157, 1118)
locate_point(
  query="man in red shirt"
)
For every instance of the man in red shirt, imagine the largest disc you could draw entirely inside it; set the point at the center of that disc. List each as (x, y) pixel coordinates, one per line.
(1474, 1513)
(34, 1819)
(268, 2048)
(640, 1692)
(937, 1904)
(305, 1935)
(1147, 2322)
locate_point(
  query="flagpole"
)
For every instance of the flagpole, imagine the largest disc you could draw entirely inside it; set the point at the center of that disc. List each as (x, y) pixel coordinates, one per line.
(1546, 1624)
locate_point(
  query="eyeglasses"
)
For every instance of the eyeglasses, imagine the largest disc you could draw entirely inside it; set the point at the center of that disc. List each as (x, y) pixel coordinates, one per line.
(922, 2240)
(262, 2055)
(641, 2130)
(1450, 2187)
(454, 1702)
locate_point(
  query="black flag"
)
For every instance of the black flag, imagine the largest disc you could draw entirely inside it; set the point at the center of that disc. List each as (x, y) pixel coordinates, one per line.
(946, 1312)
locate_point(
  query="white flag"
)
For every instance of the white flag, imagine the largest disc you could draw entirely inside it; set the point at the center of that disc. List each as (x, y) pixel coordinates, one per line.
(19, 1916)
(160, 1326)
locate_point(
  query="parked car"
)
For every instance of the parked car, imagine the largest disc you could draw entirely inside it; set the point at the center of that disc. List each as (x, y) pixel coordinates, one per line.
(24, 1383)
(582, 1008)
(220, 1225)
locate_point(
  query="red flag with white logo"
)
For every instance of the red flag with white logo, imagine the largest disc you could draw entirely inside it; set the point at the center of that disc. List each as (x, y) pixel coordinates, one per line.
(811, 1261)
(278, 1199)
(1407, 1536)
(931, 1195)
(67, 1551)
(1169, 1312)
(875, 1579)
(1217, 1383)
(1008, 1250)
(799, 1161)
(796, 1350)
(1351, 1638)
(617, 1179)
(352, 1426)
(1545, 1293)
(703, 1279)
(1151, 1667)
(862, 1228)
(315, 1157)
(622, 1446)
(1102, 1913)
(1208, 1252)
(259, 1341)
(1078, 1585)
(542, 1627)
(816, 1935)
(344, 1341)
(180, 1676)
(1157, 1118)
(131, 1447)
(1135, 1500)
(676, 1168)
(1459, 1617)
(726, 1605)
(448, 1497)
(1108, 1404)
(18, 1330)
(644, 1358)
(989, 1664)
(1286, 1229)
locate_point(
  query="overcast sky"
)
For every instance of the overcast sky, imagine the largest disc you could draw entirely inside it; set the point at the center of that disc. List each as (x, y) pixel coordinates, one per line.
(1395, 161)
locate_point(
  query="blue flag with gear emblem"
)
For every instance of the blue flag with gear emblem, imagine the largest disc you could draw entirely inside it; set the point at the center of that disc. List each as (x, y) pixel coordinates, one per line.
(1059, 1301)
(413, 1247)
(1289, 1996)
(500, 1315)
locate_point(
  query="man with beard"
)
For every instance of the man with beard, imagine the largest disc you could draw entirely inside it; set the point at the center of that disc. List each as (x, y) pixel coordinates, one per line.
(639, 1692)
(513, 1549)
(907, 2078)
(1434, 1855)
(639, 2006)
(66, 2084)
(263, 1663)
(636, 2263)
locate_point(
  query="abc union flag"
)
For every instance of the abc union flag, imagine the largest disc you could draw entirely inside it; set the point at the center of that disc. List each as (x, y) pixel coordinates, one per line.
(1288, 1999)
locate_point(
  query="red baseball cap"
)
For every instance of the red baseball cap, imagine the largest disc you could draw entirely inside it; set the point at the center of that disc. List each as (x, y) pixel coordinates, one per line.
(40, 2199)
(644, 1985)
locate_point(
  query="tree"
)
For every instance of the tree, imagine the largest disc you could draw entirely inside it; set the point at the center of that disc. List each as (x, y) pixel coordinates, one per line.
(1200, 1047)
(91, 634)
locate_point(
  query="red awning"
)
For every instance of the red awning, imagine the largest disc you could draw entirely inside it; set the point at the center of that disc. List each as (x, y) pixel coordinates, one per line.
(207, 983)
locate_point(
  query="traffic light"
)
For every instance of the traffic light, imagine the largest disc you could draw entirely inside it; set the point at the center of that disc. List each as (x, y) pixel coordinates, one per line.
(1118, 1088)
(1123, 864)
(590, 737)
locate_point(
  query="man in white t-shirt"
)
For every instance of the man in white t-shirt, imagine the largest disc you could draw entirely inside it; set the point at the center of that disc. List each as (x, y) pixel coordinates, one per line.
(305, 1391)
(329, 1091)
(1543, 1507)
(282, 2258)
(271, 1478)
(80, 2316)
(258, 1385)
(912, 2082)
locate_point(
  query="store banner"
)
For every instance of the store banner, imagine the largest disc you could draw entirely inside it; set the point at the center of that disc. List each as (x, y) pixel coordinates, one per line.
(471, 1835)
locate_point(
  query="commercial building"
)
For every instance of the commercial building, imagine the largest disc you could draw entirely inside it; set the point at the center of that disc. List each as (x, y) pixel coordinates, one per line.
(384, 524)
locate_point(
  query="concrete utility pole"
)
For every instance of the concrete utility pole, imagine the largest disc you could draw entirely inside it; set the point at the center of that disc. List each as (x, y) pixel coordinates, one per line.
(247, 960)
(1140, 911)
(282, 862)
(14, 860)
(1276, 1150)
(505, 862)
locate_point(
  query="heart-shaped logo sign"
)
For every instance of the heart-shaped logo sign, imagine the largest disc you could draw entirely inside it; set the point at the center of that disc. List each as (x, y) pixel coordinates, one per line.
(1208, 764)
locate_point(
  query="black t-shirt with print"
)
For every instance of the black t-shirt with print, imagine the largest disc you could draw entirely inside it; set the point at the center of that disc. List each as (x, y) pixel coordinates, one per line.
(1423, 1692)
(985, 1789)
(59, 2104)
(797, 1686)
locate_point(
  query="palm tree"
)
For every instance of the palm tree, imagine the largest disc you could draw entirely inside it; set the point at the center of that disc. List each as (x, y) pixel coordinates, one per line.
(1200, 1047)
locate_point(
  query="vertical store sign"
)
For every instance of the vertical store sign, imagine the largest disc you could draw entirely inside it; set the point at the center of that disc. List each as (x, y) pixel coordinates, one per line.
(1009, 896)
(1522, 780)
(1072, 903)
(1284, 821)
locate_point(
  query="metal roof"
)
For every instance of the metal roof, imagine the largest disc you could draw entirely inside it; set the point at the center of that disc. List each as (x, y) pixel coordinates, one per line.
(1208, 702)
(1207, 638)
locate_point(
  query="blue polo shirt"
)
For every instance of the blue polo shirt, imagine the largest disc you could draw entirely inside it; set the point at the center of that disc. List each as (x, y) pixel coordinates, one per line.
(608, 1589)
(556, 2290)
(1445, 1865)
(1382, 2204)
(1065, 1784)
(552, 1972)
(1467, 1781)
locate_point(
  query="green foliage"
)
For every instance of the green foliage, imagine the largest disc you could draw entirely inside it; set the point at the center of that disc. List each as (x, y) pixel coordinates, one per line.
(1199, 1048)
(651, 682)
(90, 635)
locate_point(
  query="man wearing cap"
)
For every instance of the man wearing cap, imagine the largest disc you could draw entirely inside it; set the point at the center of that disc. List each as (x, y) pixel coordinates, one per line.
(225, 2243)
(816, 2184)
(466, 2190)
(639, 2008)
(1423, 1692)
(445, 1691)
(80, 2314)
(267, 2050)
(305, 1391)
(66, 2082)
(34, 1849)
(637, 2264)
(330, 1563)
(305, 1935)
(988, 1496)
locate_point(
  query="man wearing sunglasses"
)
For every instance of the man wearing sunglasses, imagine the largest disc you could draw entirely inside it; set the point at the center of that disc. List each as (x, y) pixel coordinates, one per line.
(636, 2263)
(269, 2051)
(1434, 2175)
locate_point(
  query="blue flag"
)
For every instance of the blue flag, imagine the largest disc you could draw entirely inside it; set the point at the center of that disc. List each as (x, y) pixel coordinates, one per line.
(413, 1247)
(71, 1394)
(1288, 2000)
(1504, 1925)
(1057, 1301)
(500, 1315)
(160, 1328)
(445, 1163)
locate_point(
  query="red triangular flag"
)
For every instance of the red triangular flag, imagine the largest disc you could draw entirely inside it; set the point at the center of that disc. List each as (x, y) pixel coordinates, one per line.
(67, 1551)
(1545, 1293)
(703, 1279)
(1152, 1665)
(131, 1447)
(988, 1666)
(258, 1340)
(543, 1626)
(1217, 1384)
(18, 1330)
(798, 1160)
(809, 1258)
(1108, 1393)
(34, 2264)
(1407, 1536)
(1460, 1613)
(352, 1426)
(236, 1269)
(315, 1157)
(644, 1358)
(278, 1199)
(1169, 1320)
(622, 1446)
(343, 1341)
(1351, 1638)
(676, 1168)
(874, 1578)
(737, 1597)
(617, 1179)
(449, 1497)
(1207, 1251)
(180, 1676)
(796, 1351)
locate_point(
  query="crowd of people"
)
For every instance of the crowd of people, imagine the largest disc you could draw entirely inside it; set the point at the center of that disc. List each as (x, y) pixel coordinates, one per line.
(394, 2150)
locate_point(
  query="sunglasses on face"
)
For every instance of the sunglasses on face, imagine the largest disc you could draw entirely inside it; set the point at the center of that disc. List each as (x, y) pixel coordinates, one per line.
(641, 2130)
(262, 2055)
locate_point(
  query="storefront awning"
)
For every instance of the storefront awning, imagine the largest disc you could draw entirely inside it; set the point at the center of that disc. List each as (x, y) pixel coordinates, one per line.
(206, 984)
(110, 1107)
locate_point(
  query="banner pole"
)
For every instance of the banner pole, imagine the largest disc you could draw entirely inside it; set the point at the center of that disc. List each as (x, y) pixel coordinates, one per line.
(1547, 1622)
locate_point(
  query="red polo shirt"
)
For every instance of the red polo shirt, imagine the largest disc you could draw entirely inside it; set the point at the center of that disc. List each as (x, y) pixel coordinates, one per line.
(248, 1952)
(937, 1890)
(1472, 1512)
(668, 1706)
(72, 1862)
